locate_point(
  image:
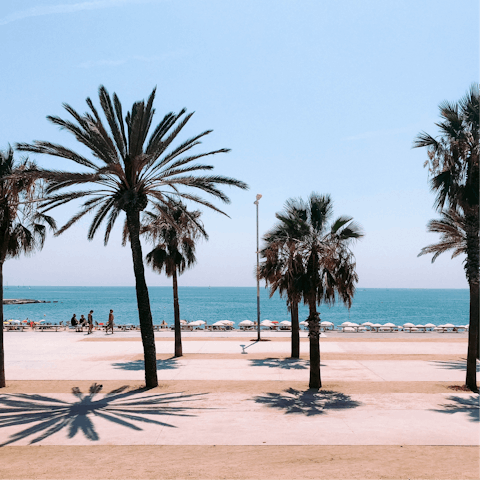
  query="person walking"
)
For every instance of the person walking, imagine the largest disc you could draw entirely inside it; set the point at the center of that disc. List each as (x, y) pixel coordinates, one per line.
(110, 322)
(90, 322)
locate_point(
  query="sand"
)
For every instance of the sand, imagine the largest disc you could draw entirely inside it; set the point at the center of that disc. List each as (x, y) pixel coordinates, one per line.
(240, 462)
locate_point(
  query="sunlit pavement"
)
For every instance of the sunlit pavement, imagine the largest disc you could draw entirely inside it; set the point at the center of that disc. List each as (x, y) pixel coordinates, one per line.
(292, 417)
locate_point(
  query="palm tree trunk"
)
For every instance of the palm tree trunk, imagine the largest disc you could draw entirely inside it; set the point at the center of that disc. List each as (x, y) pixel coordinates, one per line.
(176, 312)
(143, 301)
(2, 356)
(295, 330)
(472, 266)
(314, 335)
(471, 379)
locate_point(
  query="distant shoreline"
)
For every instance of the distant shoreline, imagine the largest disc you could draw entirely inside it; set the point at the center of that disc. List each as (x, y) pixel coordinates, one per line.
(22, 301)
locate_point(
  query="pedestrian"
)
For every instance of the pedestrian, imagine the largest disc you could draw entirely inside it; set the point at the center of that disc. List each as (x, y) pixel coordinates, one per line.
(110, 322)
(82, 320)
(74, 321)
(90, 322)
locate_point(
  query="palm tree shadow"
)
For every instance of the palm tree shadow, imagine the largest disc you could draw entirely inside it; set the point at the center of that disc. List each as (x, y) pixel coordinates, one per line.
(285, 363)
(44, 416)
(309, 402)
(168, 364)
(453, 364)
(467, 405)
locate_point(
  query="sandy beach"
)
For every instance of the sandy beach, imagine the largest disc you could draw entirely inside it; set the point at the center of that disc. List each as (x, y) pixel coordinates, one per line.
(390, 407)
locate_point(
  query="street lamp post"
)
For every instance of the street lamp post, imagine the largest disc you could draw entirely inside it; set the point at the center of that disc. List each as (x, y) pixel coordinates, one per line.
(258, 197)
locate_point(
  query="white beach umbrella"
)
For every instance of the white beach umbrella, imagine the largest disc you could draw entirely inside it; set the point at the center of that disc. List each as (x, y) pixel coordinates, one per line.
(266, 323)
(377, 325)
(286, 323)
(346, 324)
(303, 323)
(447, 325)
(183, 322)
(219, 324)
(389, 325)
(246, 323)
(409, 325)
(420, 326)
(430, 325)
(326, 324)
(227, 322)
(367, 324)
(196, 323)
(353, 324)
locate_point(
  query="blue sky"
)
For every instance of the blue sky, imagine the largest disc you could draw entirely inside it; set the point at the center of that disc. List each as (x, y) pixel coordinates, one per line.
(309, 95)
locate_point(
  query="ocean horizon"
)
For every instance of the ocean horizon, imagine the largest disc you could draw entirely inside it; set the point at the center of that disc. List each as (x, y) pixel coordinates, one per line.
(211, 304)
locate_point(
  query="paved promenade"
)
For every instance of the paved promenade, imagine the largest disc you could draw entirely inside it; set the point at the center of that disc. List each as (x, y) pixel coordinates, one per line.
(380, 395)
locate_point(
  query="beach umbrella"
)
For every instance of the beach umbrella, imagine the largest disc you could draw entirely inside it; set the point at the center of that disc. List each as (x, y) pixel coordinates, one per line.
(409, 325)
(345, 324)
(246, 323)
(447, 325)
(219, 324)
(266, 323)
(274, 321)
(326, 324)
(367, 324)
(389, 325)
(227, 322)
(430, 325)
(286, 323)
(183, 322)
(353, 324)
(303, 323)
(196, 323)
(420, 326)
(15, 321)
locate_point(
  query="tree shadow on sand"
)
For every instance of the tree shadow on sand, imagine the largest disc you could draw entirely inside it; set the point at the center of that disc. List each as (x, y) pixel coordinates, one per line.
(45, 416)
(309, 402)
(168, 364)
(467, 405)
(453, 364)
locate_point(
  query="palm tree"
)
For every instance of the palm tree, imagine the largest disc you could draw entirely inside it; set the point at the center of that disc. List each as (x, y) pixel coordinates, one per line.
(453, 161)
(175, 230)
(327, 263)
(125, 173)
(281, 269)
(452, 227)
(22, 227)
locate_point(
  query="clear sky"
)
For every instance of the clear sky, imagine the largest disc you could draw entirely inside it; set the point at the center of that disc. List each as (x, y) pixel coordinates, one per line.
(316, 95)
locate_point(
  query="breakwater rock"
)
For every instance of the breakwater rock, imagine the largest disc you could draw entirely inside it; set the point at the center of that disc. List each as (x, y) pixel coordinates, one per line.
(21, 301)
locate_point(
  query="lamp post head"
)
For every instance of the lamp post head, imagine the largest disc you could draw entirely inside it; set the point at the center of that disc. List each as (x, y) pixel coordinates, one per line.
(258, 197)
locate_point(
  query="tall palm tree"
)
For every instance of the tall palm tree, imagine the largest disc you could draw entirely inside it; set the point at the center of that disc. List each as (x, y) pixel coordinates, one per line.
(125, 173)
(327, 263)
(452, 227)
(453, 161)
(281, 268)
(175, 230)
(22, 227)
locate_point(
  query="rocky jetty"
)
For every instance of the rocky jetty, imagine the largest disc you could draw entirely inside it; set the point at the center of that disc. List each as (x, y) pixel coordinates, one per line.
(21, 301)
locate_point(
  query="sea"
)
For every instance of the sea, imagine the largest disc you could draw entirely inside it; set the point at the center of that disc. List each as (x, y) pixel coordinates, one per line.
(211, 304)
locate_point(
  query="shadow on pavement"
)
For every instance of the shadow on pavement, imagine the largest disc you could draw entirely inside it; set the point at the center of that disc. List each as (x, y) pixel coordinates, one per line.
(44, 416)
(168, 364)
(309, 402)
(453, 364)
(467, 405)
(286, 363)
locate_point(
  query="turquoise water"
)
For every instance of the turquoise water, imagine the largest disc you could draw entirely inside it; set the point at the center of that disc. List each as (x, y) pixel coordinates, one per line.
(236, 303)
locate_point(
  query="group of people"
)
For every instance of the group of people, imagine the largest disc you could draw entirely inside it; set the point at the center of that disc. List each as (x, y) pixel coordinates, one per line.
(88, 322)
